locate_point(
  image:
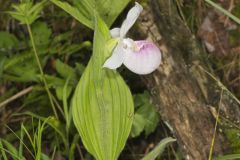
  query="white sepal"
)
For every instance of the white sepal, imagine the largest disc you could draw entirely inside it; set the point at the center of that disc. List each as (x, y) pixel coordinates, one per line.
(132, 16)
(116, 58)
(115, 32)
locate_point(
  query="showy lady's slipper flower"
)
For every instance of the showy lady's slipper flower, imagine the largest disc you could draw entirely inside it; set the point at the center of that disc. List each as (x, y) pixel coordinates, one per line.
(141, 57)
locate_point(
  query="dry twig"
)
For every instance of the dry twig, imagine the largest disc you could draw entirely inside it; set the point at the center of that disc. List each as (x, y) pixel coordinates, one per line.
(16, 96)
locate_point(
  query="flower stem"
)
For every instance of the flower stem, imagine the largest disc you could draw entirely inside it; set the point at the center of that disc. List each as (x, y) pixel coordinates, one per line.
(41, 71)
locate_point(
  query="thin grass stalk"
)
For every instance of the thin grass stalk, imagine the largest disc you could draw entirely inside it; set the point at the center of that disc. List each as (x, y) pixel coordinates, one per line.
(41, 71)
(215, 128)
(224, 11)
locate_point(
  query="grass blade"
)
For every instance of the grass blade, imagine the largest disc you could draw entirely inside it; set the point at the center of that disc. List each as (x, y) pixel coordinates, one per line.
(158, 149)
(228, 157)
(3, 151)
(224, 11)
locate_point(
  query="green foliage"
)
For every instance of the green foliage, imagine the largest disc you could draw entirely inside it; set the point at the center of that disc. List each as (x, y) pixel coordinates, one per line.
(41, 34)
(102, 104)
(7, 41)
(53, 122)
(107, 9)
(26, 12)
(10, 149)
(25, 73)
(64, 70)
(22, 67)
(74, 12)
(228, 157)
(3, 151)
(16, 66)
(36, 143)
(73, 146)
(234, 138)
(145, 118)
(158, 149)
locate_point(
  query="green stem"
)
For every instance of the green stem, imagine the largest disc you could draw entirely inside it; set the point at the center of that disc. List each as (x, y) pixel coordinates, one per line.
(224, 11)
(41, 70)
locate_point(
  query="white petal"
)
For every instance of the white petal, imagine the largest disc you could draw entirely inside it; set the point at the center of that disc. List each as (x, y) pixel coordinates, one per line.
(128, 43)
(132, 16)
(144, 59)
(116, 59)
(115, 32)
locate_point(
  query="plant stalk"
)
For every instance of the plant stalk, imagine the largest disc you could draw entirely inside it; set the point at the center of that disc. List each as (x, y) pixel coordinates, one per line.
(41, 71)
(215, 127)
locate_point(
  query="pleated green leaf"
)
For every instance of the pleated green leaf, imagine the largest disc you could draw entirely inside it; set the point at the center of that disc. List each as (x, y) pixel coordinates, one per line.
(75, 12)
(83, 10)
(102, 104)
(107, 9)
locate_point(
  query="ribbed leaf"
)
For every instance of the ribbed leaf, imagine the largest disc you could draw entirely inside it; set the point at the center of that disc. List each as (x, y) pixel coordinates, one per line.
(74, 12)
(83, 10)
(102, 104)
(108, 9)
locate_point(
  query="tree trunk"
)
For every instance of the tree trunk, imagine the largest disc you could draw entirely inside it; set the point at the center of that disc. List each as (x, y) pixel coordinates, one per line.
(186, 96)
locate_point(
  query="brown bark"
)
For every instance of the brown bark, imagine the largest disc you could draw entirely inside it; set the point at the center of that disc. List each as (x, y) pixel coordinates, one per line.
(183, 93)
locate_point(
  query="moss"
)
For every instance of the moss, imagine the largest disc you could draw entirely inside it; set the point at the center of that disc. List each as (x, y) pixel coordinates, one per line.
(233, 136)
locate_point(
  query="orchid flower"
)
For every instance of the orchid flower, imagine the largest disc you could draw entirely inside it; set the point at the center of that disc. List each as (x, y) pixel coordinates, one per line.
(141, 57)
